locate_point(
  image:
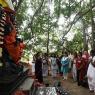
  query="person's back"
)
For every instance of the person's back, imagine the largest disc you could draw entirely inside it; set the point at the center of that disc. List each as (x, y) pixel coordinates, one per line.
(58, 61)
(38, 68)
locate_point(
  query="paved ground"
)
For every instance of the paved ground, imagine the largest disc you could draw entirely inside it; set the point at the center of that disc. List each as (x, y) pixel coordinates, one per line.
(70, 86)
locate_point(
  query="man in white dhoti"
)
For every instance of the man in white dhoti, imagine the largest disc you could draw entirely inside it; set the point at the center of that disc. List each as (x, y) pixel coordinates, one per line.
(91, 75)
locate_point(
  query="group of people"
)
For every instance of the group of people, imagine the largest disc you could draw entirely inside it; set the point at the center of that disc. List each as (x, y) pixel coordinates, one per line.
(81, 65)
(83, 69)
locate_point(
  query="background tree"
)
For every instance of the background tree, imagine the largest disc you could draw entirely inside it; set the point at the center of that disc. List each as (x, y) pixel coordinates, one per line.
(34, 19)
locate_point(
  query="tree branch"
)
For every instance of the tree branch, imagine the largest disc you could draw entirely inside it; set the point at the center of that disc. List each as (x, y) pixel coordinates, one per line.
(75, 20)
(19, 4)
(30, 25)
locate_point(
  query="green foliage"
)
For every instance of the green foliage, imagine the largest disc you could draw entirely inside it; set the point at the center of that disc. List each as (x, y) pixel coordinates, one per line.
(76, 44)
(21, 15)
(35, 34)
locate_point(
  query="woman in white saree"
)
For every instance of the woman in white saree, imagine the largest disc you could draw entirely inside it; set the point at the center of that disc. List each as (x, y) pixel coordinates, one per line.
(91, 75)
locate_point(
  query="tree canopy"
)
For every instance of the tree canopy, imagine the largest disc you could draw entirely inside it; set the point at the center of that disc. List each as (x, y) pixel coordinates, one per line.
(45, 24)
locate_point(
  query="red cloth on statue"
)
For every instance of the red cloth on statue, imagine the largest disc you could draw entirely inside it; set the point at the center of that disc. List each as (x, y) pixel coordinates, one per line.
(11, 38)
(15, 51)
(8, 10)
(13, 46)
(18, 92)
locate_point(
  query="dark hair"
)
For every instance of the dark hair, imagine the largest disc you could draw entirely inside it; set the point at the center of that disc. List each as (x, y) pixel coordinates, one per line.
(92, 52)
(80, 53)
(66, 53)
(37, 54)
(75, 55)
(34, 57)
(45, 54)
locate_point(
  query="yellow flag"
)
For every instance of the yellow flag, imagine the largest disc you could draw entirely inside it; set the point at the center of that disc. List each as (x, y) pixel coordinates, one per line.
(7, 3)
(3, 3)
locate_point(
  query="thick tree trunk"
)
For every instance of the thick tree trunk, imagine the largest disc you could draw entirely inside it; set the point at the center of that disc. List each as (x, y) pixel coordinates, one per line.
(48, 42)
(85, 44)
(76, 19)
(93, 27)
(48, 28)
(30, 24)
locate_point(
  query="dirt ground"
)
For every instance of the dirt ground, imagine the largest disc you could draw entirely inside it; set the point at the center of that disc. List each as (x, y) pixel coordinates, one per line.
(70, 86)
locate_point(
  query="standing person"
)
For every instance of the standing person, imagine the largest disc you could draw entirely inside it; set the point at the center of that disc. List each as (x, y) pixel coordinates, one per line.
(45, 65)
(86, 56)
(83, 72)
(71, 57)
(59, 64)
(91, 75)
(54, 66)
(90, 71)
(79, 64)
(38, 68)
(65, 65)
(92, 54)
(61, 72)
(74, 71)
(33, 65)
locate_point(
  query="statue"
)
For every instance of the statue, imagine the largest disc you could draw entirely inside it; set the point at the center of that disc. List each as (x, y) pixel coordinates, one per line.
(11, 48)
